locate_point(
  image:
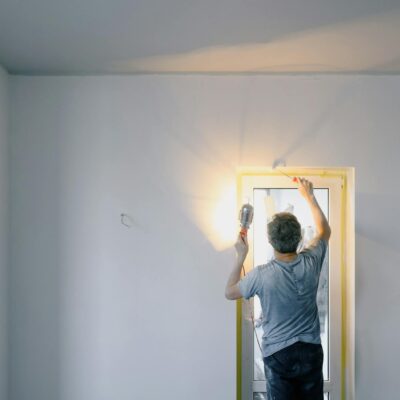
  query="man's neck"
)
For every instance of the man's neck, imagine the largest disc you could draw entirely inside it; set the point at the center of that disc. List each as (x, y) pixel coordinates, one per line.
(285, 257)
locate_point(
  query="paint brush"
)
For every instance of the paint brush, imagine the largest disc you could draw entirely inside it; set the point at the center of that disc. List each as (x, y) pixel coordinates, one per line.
(293, 179)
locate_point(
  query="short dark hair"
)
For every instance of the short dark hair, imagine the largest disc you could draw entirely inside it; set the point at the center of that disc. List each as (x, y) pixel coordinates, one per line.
(284, 232)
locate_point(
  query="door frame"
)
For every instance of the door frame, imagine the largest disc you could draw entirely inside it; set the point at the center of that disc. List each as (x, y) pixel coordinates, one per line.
(347, 240)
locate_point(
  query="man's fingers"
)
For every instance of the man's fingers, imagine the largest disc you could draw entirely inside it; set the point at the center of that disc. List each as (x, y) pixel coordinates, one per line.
(304, 181)
(242, 238)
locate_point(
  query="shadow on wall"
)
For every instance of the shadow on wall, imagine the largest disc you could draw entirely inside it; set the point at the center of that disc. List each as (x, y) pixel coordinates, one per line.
(343, 96)
(205, 185)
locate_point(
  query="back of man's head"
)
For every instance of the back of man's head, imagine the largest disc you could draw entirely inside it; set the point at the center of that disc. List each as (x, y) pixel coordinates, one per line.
(284, 232)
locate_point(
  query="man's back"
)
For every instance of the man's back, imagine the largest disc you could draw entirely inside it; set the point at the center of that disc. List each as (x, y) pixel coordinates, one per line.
(287, 292)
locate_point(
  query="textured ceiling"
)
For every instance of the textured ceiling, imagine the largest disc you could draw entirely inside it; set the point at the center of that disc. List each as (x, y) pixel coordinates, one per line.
(121, 36)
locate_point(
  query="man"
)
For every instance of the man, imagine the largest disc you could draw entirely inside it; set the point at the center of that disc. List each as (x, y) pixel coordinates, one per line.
(287, 287)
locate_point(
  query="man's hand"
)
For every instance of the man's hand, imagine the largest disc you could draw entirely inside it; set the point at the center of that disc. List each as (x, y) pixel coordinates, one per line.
(306, 188)
(242, 247)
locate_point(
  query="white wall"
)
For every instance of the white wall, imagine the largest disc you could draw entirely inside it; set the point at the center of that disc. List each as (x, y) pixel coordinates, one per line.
(4, 230)
(101, 311)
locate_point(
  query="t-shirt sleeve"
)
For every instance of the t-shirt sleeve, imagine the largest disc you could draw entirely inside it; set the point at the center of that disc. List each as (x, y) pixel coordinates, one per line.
(250, 284)
(317, 251)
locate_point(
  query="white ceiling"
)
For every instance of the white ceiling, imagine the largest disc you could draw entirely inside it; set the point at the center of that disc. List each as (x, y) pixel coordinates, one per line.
(263, 36)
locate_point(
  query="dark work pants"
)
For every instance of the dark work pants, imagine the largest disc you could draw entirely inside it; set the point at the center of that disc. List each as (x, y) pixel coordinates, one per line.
(295, 373)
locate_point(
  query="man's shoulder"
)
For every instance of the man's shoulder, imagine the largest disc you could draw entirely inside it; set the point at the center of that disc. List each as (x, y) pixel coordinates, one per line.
(263, 268)
(317, 242)
(317, 248)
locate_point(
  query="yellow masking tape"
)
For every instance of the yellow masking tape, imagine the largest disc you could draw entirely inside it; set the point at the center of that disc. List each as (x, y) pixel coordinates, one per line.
(239, 312)
(344, 287)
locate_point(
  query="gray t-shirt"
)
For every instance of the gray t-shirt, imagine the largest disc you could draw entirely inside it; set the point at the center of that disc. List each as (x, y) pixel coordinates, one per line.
(288, 292)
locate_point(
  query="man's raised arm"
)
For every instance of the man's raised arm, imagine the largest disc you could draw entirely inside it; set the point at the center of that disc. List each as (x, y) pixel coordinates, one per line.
(321, 223)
